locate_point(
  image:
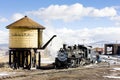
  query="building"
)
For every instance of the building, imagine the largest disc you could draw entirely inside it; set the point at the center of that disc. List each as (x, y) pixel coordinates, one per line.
(113, 49)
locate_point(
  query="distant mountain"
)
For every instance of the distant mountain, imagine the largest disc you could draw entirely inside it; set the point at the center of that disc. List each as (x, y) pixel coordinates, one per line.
(5, 46)
(105, 42)
(4, 49)
(101, 43)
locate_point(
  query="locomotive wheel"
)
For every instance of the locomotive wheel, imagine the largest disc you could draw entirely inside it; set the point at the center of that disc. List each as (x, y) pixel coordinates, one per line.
(73, 63)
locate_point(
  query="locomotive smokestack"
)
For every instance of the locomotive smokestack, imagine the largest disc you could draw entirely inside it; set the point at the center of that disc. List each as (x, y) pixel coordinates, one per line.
(75, 46)
(64, 46)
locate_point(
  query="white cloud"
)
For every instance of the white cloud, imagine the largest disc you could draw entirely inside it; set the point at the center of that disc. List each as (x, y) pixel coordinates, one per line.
(17, 16)
(85, 35)
(2, 19)
(72, 12)
(96, 34)
(105, 12)
(116, 19)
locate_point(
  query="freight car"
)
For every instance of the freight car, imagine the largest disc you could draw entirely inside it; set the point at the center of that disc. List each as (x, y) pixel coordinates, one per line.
(73, 56)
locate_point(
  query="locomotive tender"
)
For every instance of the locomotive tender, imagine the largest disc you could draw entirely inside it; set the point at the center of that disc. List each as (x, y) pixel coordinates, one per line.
(73, 56)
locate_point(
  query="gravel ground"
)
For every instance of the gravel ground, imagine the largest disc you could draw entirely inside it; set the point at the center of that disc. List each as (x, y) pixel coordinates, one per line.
(101, 71)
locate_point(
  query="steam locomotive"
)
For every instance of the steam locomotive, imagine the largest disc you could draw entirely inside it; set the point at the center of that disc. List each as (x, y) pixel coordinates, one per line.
(73, 56)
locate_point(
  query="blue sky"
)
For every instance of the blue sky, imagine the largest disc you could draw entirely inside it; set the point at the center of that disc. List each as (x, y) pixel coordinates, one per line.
(78, 18)
(9, 8)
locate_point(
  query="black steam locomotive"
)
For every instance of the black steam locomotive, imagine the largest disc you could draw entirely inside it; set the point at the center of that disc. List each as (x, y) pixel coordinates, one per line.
(72, 56)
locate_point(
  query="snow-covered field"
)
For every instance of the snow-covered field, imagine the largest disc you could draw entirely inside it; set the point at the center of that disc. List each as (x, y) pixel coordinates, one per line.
(115, 74)
(112, 60)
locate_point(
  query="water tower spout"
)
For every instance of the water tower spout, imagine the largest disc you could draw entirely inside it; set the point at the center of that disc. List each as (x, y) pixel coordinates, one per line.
(46, 44)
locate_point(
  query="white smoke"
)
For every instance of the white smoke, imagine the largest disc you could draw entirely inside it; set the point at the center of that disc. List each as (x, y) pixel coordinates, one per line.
(55, 44)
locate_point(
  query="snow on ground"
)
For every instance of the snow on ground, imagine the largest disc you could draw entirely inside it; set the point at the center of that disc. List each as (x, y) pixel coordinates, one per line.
(3, 73)
(7, 73)
(110, 59)
(115, 69)
(118, 69)
(90, 66)
(118, 77)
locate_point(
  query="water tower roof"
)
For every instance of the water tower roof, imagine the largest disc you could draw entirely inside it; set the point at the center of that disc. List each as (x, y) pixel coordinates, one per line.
(25, 22)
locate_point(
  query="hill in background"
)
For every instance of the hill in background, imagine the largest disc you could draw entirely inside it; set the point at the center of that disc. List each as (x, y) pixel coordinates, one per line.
(3, 49)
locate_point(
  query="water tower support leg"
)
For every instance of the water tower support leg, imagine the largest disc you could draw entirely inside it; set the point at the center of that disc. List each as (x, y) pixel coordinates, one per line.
(39, 58)
(10, 57)
(23, 59)
(30, 59)
(18, 59)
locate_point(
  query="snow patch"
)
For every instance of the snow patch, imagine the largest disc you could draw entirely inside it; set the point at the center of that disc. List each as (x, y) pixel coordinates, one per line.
(87, 66)
(116, 68)
(118, 77)
(110, 59)
(3, 74)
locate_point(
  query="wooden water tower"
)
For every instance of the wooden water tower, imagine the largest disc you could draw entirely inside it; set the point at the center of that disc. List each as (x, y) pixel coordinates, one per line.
(24, 35)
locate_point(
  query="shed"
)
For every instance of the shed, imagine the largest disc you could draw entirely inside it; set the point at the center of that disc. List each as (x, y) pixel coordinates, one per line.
(112, 49)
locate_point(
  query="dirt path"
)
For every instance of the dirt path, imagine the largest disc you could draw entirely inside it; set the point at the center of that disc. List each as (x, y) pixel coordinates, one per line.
(92, 72)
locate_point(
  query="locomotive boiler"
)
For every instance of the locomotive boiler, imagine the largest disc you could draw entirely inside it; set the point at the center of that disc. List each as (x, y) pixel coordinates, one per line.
(72, 56)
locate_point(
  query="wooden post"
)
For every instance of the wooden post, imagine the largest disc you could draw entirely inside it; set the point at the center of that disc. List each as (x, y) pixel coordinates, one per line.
(105, 47)
(39, 59)
(30, 59)
(23, 59)
(29, 64)
(27, 59)
(14, 60)
(10, 57)
(18, 59)
(113, 49)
